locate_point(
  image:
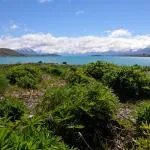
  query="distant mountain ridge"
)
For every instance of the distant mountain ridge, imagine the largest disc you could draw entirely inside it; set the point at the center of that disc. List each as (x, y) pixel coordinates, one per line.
(9, 52)
(139, 52)
(23, 52)
(31, 52)
(27, 51)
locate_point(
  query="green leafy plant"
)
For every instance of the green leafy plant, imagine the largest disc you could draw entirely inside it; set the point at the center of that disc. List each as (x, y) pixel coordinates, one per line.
(3, 84)
(53, 70)
(98, 69)
(24, 76)
(29, 134)
(143, 114)
(11, 109)
(127, 82)
(80, 110)
(143, 141)
(77, 78)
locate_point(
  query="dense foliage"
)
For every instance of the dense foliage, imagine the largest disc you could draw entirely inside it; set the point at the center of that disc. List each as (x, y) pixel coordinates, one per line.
(142, 142)
(11, 108)
(3, 84)
(143, 114)
(142, 138)
(81, 110)
(52, 70)
(28, 135)
(127, 82)
(65, 106)
(75, 77)
(24, 76)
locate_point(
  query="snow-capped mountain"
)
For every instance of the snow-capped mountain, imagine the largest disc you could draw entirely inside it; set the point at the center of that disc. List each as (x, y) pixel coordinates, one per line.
(27, 51)
(31, 52)
(145, 51)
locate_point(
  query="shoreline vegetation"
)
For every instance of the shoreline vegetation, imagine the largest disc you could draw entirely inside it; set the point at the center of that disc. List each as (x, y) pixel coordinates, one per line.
(97, 106)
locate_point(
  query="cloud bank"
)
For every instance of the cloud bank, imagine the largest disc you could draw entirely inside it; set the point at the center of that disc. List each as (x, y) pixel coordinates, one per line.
(118, 40)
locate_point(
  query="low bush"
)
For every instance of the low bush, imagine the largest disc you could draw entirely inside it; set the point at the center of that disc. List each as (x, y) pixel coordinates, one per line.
(81, 112)
(24, 76)
(52, 70)
(99, 68)
(55, 71)
(142, 142)
(76, 78)
(143, 114)
(127, 82)
(11, 108)
(3, 84)
(29, 135)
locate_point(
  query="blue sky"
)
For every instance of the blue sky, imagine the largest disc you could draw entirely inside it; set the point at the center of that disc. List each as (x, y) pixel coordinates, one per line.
(74, 18)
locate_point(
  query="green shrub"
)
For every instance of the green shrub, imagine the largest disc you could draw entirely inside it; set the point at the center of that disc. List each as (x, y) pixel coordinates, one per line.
(11, 108)
(127, 82)
(142, 142)
(76, 78)
(24, 76)
(98, 69)
(80, 110)
(29, 135)
(52, 70)
(3, 84)
(75, 75)
(143, 114)
(55, 71)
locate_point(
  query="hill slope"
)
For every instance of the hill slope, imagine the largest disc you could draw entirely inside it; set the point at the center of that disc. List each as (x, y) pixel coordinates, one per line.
(9, 52)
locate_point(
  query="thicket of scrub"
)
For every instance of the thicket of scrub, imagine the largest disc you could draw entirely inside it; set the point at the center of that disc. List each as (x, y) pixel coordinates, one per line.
(127, 82)
(78, 108)
(25, 76)
(81, 111)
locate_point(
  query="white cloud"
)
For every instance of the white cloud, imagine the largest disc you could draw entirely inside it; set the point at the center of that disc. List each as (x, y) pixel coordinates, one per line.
(75, 45)
(79, 12)
(45, 1)
(119, 33)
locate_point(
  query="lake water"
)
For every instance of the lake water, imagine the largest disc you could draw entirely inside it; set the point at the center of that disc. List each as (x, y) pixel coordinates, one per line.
(121, 60)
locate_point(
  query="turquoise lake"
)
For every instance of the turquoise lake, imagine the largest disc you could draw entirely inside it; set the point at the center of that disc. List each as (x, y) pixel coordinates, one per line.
(121, 60)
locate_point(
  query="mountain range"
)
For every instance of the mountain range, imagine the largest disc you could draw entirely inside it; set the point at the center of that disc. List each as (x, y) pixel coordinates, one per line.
(9, 52)
(139, 52)
(31, 52)
(23, 52)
